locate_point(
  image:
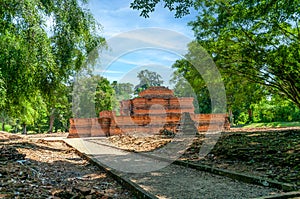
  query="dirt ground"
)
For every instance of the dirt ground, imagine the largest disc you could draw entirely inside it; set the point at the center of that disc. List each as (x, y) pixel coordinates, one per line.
(32, 168)
(270, 153)
(41, 169)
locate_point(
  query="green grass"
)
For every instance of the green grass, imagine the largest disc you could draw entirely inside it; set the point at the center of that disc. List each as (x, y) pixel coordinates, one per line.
(273, 124)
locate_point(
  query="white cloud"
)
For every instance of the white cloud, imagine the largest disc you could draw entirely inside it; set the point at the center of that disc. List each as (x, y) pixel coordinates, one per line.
(117, 18)
(108, 71)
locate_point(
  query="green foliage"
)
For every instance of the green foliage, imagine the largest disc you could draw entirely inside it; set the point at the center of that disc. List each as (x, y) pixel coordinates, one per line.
(123, 91)
(240, 93)
(91, 95)
(256, 39)
(104, 96)
(4, 119)
(242, 118)
(7, 127)
(189, 83)
(181, 7)
(59, 108)
(42, 44)
(2, 91)
(147, 79)
(182, 88)
(275, 109)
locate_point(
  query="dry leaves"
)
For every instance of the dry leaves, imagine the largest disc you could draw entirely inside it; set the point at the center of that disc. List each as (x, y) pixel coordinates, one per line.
(44, 169)
(138, 142)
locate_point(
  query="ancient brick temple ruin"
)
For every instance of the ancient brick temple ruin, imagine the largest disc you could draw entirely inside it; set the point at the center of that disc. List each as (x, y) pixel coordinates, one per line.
(155, 109)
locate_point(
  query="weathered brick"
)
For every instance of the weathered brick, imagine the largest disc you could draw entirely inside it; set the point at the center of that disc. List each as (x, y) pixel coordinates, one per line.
(156, 108)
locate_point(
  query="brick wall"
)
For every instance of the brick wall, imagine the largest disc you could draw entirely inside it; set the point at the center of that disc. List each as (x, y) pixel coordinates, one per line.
(157, 108)
(114, 125)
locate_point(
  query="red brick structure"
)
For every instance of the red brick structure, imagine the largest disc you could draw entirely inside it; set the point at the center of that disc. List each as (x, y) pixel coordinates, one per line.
(155, 109)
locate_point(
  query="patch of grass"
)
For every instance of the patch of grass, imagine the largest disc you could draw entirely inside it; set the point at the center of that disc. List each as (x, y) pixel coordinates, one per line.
(273, 124)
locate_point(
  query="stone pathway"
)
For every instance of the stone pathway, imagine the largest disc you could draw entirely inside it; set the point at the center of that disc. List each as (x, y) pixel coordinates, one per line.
(166, 180)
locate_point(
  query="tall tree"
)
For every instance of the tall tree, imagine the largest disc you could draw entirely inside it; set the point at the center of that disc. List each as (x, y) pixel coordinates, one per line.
(255, 39)
(122, 90)
(59, 105)
(92, 94)
(147, 79)
(105, 98)
(4, 119)
(240, 93)
(189, 83)
(42, 44)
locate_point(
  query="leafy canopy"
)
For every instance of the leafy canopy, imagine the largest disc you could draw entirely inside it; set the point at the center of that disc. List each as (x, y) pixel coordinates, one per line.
(92, 94)
(42, 44)
(147, 79)
(257, 39)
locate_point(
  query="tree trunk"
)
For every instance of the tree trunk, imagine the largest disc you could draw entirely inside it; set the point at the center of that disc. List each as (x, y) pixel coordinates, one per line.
(24, 129)
(3, 126)
(51, 121)
(250, 115)
(230, 116)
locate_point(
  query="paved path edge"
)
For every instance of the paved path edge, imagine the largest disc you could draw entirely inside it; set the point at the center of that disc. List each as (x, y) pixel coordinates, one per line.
(239, 176)
(287, 195)
(290, 189)
(138, 191)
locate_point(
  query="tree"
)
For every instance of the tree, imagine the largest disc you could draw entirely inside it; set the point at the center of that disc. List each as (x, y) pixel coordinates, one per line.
(274, 108)
(59, 106)
(256, 39)
(42, 44)
(30, 110)
(182, 87)
(147, 79)
(105, 98)
(181, 7)
(2, 92)
(189, 83)
(4, 118)
(122, 90)
(240, 93)
(92, 94)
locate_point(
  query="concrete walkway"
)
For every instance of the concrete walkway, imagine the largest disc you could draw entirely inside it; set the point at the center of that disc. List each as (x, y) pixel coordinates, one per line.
(163, 179)
(127, 162)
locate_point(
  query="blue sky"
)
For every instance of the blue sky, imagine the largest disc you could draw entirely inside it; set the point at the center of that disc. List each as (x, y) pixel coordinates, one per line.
(117, 18)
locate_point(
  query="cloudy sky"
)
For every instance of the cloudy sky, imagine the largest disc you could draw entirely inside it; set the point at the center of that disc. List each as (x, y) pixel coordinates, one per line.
(132, 47)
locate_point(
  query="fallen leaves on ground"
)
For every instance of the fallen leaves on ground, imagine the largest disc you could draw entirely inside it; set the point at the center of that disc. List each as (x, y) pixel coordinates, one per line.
(139, 143)
(44, 169)
(271, 153)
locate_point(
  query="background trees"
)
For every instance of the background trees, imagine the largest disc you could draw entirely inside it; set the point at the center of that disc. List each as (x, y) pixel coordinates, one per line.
(92, 94)
(189, 83)
(258, 40)
(147, 79)
(42, 44)
(123, 90)
(256, 47)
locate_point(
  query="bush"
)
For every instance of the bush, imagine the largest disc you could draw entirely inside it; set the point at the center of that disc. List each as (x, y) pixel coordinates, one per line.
(243, 118)
(275, 109)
